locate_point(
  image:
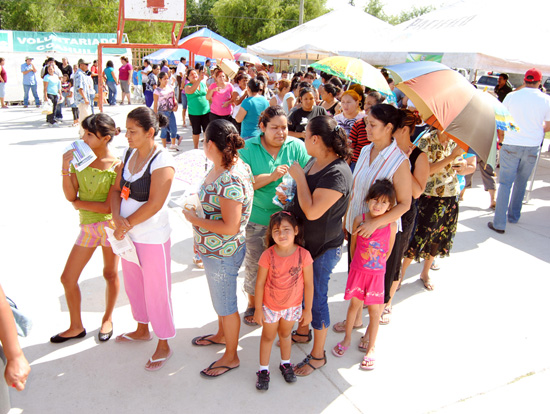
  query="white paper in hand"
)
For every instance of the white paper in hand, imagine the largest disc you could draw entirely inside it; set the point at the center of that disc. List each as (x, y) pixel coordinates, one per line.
(82, 155)
(191, 202)
(124, 248)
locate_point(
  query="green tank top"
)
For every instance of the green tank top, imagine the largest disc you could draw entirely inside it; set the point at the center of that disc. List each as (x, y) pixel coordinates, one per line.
(94, 185)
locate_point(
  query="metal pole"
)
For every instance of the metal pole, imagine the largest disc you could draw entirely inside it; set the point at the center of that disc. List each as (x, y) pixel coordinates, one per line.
(532, 179)
(300, 22)
(100, 77)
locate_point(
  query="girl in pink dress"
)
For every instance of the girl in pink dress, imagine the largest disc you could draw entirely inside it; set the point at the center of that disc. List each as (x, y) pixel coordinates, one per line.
(366, 275)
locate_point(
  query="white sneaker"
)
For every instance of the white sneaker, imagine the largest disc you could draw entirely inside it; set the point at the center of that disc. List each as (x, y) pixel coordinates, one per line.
(174, 147)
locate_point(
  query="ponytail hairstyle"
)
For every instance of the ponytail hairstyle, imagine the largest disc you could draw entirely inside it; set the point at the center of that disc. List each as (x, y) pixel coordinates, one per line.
(256, 85)
(283, 83)
(334, 137)
(275, 222)
(270, 113)
(227, 140)
(332, 89)
(387, 114)
(409, 119)
(382, 189)
(101, 124)
(146, 118)
(294, 84)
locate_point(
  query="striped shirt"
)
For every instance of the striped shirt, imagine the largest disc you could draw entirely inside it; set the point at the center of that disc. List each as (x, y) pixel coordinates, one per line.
(358, 138)
(384, 165)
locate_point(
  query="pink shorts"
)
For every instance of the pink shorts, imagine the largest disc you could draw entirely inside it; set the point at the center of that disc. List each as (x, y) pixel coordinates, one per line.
(291, 314)
(93, 235)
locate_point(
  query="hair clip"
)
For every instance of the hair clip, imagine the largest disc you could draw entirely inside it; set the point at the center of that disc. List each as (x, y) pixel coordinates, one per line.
(337, 128)
(288, 213)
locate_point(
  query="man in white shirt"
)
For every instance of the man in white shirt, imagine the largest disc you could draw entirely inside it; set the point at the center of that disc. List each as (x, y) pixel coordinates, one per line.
(272, 82)
(530, 109)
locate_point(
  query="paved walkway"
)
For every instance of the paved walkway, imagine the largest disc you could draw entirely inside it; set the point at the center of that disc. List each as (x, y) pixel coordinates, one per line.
(478, 343)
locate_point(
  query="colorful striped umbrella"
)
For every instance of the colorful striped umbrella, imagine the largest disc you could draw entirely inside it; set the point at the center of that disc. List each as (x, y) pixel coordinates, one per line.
(354, 70)
(447, 101)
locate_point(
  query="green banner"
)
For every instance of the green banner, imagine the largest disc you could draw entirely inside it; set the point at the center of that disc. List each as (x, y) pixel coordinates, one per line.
(421, 57)
(74, 43)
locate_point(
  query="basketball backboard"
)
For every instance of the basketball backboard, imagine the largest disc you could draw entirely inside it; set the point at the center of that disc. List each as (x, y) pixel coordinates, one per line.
(154, 10)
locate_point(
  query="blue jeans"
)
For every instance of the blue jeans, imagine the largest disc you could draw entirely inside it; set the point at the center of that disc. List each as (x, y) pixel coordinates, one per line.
(322, 269)
(111, 85)
(171, 128)
(221, 274)
(516, 165)
(26, 89)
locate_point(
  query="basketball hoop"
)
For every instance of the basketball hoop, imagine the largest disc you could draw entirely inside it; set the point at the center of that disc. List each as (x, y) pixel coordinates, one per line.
(156, 5)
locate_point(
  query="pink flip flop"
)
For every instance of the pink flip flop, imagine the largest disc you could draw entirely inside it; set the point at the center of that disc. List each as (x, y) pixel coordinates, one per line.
(161, 360)
(339, 350)
(365, 361)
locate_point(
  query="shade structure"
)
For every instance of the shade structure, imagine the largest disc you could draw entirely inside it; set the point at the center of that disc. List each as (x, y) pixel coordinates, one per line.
(209, 47)
(447, 101)
(354, 70)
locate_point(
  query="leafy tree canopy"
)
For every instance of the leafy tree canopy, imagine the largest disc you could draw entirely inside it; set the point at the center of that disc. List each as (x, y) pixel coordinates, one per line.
(376, 9)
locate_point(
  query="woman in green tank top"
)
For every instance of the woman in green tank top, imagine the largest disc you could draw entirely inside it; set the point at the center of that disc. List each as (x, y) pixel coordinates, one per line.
(89, 192)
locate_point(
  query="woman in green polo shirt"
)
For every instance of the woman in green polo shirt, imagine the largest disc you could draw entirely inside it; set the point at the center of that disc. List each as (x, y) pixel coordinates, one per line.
(198, 107)
(269, 157)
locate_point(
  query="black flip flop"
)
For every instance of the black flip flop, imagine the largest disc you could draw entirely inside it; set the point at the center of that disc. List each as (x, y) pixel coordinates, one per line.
(247, 313)
(308, 336)
(196, 341)
(209, 376)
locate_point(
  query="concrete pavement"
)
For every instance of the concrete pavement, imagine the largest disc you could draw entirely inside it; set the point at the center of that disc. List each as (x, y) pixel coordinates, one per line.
(478, 343)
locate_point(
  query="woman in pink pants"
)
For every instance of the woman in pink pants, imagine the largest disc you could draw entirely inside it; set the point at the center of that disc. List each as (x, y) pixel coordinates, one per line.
(139, 212)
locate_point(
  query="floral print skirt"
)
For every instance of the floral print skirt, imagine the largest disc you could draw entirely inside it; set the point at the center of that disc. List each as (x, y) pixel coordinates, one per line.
(435, 227)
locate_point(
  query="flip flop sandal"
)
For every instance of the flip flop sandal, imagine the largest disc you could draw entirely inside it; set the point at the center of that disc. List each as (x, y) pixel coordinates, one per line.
(161, 360)
(306, 362)
(363, 344)
(195, 341)
(364, 363)
(340, 327)
(385, 318)
(205, 373)
(434, 266)
(249, 312)
(308, 336)
(339, 350)
(125, 338)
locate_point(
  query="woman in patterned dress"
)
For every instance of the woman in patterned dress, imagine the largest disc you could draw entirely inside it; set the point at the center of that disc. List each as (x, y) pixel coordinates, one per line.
(226, 199)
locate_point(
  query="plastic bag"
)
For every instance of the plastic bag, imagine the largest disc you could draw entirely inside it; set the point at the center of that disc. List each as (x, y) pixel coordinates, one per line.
(46, 108)
(287, 187)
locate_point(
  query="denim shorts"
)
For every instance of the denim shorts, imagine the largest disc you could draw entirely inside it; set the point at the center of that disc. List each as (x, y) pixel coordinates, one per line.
(322, 269)
(221, 274)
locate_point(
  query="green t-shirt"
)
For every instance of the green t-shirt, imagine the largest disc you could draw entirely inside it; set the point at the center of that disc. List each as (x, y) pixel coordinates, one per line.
(197, 104)
(261, 162)
(94, 185)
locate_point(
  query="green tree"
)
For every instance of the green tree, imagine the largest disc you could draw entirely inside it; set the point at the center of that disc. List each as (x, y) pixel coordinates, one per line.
(44, 15)
(199, 13)
(376, 9)
(246, 22)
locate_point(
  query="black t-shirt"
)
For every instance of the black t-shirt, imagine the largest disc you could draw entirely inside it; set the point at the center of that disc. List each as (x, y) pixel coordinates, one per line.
(502, 92)
(298, 119)
(326, 232)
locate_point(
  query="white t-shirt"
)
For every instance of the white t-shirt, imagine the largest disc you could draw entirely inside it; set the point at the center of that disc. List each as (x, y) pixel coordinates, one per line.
(146, 70)
(236, 88)
(181, 70)
(530, 108)
(156, 229)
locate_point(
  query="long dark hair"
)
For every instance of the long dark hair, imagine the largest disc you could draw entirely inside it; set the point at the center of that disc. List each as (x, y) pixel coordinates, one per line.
(387, 114)
(275, 222)
(333, 136)
(226, 138)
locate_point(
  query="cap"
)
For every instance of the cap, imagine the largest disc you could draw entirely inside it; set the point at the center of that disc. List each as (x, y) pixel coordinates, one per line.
(533, 75)
(83, 62)
(29, 58)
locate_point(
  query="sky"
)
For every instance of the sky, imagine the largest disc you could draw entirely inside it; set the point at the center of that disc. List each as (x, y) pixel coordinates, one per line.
(390, 6)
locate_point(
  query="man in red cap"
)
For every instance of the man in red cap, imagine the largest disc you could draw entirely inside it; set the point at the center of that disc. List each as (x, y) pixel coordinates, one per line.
(531, 111)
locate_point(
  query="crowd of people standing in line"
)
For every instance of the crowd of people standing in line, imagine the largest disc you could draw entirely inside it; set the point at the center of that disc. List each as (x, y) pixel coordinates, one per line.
(394, 201)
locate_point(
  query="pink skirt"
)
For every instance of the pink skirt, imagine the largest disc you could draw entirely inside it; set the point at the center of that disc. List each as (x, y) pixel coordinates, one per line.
(366, 286)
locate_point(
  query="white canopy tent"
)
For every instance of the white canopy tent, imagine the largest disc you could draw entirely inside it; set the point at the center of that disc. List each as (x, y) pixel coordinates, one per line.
(504, 36)
(321, 37)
